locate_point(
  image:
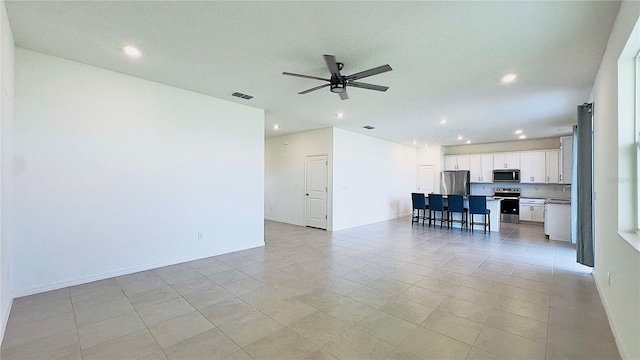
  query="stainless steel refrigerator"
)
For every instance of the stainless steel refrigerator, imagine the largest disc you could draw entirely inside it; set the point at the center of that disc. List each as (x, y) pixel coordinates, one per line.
(455, 182)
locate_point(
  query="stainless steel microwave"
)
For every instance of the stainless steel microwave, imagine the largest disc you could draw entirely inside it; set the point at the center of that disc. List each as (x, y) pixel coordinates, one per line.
(506, 175)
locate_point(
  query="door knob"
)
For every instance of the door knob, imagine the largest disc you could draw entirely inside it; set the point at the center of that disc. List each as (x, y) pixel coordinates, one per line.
(307, 194)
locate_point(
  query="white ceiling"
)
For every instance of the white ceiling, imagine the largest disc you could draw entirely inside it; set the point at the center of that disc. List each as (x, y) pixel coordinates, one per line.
(447, 58)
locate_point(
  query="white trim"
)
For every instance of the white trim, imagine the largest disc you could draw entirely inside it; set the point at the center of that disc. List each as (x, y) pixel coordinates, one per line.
(5, 316)
(621, 350)
(285, 221)
(72, 282)
(632, 238)
(636, 112)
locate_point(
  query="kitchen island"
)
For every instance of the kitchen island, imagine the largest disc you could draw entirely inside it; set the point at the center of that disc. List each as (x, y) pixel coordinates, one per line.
(492, 204)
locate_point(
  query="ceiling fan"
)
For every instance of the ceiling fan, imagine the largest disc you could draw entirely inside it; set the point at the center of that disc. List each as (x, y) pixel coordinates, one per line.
(338, 83)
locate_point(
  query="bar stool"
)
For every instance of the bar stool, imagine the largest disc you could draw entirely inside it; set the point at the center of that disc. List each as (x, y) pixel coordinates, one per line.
(478, 206)
(436, 204)
(456, 205)
(419, 203)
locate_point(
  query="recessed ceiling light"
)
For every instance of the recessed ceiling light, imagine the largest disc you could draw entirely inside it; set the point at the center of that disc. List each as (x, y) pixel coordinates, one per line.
(509, 78)
(518, 132)
(340, 115)
(459, 137)
(276, 127)
(468, 142)
(443, 121)
(131, 51)
(414, 142)
(522, 136)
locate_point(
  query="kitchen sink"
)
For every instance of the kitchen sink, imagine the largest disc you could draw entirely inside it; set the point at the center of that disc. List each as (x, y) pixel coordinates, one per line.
(558, 201)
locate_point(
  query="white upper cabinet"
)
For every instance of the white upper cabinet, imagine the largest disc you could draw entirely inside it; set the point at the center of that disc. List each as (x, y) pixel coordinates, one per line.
(450, 162)
(533, 167)
(506, 161)
(536, 167)
(456, 162)
(481, 168)
(552, 166)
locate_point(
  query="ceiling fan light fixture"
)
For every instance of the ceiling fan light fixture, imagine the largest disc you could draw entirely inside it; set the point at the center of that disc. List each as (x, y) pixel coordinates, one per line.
(338, 88)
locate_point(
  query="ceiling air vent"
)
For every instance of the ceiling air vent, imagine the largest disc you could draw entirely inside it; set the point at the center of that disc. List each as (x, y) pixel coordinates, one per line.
(242, 96)
(368, 127)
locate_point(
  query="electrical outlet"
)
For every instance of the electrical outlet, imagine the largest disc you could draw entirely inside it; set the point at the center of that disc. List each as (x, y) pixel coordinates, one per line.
(609, 278)
(200, 237)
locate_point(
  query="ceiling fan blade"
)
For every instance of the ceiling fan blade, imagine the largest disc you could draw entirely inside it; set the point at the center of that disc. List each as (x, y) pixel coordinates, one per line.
(344, 96)
(332, 65)
(370, 72)
(367, 86)
(313, 89)
(305, 76)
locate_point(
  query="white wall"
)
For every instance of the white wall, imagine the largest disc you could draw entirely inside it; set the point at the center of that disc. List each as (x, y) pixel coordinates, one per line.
(7, 98)
(285, 174)
(372, 179)
(116, 174)
(612, 253)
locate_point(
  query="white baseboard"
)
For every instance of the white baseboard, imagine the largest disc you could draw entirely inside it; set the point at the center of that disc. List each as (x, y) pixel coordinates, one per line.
(286, 221)
(5, 319)
(120, 272)
(623, 354)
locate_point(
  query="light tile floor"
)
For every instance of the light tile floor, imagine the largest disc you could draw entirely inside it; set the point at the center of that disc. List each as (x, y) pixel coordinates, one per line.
(383, 291)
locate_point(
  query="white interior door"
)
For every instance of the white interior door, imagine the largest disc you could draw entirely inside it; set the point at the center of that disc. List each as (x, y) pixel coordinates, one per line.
(426, 178)
(316, 191)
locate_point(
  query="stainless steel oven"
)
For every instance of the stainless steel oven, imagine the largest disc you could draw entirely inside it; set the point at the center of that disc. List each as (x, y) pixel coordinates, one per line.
(510, 204)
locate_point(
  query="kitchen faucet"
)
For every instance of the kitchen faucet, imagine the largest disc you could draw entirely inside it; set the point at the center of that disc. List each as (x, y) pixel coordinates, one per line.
(565, 188)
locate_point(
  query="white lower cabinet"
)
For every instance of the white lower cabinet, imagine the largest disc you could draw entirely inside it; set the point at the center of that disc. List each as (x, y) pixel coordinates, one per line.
(532, 210)
(557, 222)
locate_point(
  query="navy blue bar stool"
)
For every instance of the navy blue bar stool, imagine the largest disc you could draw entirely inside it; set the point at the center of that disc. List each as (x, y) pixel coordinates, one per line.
(419, 203)
(478, 206)
(456, 205)
(436, 205)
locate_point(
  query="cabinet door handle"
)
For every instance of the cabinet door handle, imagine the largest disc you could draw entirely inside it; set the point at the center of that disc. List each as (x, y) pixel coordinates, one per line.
(547, 179)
